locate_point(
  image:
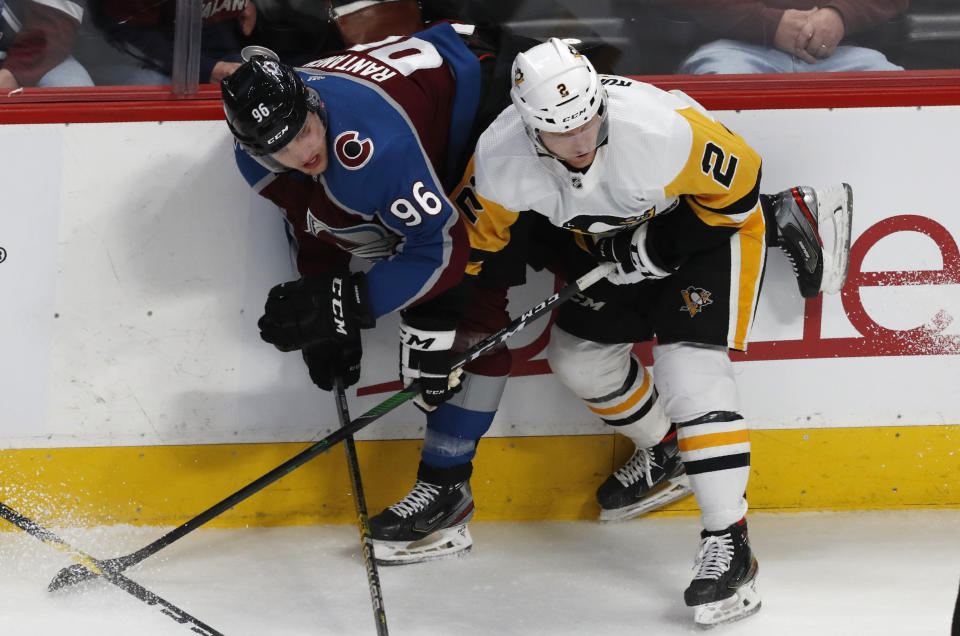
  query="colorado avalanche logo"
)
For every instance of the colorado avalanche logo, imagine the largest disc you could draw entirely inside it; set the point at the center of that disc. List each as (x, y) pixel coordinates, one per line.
(366, 240)
(352, 152)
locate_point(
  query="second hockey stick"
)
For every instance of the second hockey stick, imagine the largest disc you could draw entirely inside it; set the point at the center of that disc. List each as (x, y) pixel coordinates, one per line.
(89, 564)
(360, 503)
(76, 573)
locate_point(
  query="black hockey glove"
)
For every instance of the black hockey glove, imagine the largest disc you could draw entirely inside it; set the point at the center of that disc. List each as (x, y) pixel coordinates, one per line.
(425, 358)
(331, 359)
(316, 308)
(628, 250)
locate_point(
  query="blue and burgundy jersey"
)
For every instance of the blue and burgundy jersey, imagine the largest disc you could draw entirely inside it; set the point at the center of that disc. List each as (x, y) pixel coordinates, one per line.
(398, 113)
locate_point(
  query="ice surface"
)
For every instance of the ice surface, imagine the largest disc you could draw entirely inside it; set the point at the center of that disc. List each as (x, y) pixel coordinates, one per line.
(850, 574)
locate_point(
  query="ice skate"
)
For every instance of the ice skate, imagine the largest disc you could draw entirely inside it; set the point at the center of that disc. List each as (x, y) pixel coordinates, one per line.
(429, 523)
(800, 213)
(651, 478)
(724, 587)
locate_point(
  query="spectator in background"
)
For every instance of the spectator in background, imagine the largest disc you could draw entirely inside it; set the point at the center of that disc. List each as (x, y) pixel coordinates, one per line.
(36, 39)
(786, 36)
(298, 31)
(133, 40)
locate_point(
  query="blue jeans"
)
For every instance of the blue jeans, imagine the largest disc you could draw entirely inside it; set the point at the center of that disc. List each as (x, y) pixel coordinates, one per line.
(119, 74)
(67, 73)
(732, 56)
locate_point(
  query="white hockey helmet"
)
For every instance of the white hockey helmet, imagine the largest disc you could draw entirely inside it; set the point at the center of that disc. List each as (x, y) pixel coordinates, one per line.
(556, 89)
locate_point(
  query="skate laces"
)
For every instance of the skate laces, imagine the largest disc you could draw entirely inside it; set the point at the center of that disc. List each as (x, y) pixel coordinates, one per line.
(419, 498)
(714, 557)
(639, 467)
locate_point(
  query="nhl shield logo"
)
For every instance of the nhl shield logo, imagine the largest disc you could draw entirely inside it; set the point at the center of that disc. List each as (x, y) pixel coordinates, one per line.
(695, 299)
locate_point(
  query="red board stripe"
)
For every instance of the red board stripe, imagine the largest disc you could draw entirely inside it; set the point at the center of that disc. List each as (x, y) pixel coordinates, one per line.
(716, 92)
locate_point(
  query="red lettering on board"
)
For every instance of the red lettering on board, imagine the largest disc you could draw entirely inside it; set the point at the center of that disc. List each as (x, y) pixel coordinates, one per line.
(875, 340)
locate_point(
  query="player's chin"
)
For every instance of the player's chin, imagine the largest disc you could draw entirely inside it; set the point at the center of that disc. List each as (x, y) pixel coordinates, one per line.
(581, 161)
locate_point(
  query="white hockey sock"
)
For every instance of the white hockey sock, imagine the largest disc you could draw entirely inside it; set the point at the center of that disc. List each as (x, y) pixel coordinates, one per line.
(716, 452)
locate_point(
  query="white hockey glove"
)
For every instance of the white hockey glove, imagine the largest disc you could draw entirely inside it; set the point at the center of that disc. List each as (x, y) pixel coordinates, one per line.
(629, 251)
(425, 358)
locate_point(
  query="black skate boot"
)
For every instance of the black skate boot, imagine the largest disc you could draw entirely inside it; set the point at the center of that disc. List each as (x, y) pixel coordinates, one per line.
(799, 214)
(429, 523)
(651, 478)
(724, 587)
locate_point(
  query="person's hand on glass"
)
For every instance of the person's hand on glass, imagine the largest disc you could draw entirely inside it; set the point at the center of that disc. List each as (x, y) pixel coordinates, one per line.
(7, 80)
(222, 69)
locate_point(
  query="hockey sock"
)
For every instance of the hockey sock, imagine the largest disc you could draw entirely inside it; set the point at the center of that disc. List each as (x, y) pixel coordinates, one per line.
(455, 427)
(715, 449)
(633, 409)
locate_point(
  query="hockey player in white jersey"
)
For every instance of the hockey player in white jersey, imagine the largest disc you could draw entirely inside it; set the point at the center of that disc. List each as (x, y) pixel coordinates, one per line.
(618, 170)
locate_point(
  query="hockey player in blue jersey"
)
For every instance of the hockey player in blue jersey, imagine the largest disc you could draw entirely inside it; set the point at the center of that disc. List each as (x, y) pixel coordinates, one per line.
(360, 149)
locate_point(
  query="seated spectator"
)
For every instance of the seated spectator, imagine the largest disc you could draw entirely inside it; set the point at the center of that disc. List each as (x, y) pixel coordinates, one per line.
(364, 21)
(298, 31)
(132, 40)
(787, 36)
(36, 39)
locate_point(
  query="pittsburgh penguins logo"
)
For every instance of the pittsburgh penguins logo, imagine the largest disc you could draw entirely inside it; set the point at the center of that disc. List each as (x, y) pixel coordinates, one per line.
(352, 152)
(695, 299)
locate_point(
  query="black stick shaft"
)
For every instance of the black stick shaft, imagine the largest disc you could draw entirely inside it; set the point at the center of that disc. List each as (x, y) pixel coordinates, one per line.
(360, 502)
(74, 574)
(133, 588)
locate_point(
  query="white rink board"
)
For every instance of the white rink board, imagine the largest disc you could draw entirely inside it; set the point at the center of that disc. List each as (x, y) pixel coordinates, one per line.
(147, 245)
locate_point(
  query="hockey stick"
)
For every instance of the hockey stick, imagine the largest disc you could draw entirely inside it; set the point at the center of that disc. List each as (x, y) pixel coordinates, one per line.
(87, 562)
(74, 573)
(360, 502)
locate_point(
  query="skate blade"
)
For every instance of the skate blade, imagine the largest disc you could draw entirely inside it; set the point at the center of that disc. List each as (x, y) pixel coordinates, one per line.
(836, 205)
(739, 606)
(673, 490)
(442, 544)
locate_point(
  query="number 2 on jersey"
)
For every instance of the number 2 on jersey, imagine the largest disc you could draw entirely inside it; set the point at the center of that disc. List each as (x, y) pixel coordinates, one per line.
(713, 164)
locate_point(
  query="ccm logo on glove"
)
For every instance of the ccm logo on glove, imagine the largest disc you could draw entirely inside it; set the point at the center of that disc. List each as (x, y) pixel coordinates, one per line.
(339, 320)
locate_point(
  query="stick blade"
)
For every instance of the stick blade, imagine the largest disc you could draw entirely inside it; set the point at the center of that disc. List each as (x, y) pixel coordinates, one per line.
(68, 576)
(77, 573)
